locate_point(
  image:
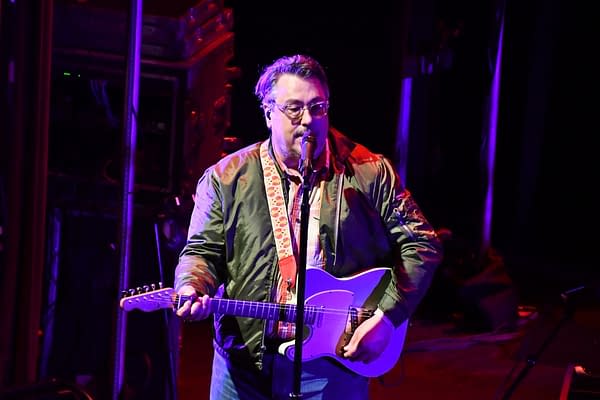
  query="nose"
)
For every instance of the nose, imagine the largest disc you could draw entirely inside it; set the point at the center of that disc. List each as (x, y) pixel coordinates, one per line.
(305, 117)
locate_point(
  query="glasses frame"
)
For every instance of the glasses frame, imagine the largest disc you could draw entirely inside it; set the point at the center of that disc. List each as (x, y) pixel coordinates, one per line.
(284, 108)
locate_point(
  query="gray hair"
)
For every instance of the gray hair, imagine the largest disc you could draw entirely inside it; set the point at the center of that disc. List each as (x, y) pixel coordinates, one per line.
(301, 65)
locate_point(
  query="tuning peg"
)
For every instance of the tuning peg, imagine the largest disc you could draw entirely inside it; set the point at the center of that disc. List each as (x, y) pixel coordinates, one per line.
(160, 285)
(153, 286)
(123, 293)
(146, 288)
(139, 289)
(131, 292)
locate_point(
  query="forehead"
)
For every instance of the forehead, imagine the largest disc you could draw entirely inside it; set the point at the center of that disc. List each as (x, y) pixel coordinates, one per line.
(290, 86)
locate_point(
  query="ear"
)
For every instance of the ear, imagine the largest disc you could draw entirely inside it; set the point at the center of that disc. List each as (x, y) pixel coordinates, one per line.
(267, 116)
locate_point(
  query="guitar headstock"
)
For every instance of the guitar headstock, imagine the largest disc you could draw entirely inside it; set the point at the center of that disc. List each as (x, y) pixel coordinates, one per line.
(149, 300)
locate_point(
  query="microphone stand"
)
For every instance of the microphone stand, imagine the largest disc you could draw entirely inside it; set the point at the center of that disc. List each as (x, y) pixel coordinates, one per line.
(306, 170)
(567, 314)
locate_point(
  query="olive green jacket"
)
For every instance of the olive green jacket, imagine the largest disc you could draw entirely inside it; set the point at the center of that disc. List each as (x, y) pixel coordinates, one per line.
(368, 219)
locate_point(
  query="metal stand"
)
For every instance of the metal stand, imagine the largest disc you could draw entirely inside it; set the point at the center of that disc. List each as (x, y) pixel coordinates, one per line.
(569, 310)
(171, 336)
(129, 144)
(306, 170)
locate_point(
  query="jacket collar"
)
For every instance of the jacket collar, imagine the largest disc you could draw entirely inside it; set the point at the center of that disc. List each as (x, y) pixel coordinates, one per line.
(341, 148)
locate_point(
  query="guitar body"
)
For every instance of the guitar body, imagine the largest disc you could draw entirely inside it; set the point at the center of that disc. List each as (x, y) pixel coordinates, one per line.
(326, 337)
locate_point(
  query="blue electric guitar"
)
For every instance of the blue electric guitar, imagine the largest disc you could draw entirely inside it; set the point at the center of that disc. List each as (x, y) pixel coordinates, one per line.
(333, 309)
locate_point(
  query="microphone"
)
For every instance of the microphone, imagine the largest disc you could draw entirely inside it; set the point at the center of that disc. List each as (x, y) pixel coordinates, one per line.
(569, 295)
(309, 143)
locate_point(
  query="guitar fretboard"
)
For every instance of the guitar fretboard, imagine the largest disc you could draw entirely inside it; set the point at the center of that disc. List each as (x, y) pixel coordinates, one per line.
(255, 309)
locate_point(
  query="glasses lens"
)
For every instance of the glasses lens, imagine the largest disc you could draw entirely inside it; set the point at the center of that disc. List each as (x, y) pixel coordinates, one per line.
(318, 109)
(293, 110)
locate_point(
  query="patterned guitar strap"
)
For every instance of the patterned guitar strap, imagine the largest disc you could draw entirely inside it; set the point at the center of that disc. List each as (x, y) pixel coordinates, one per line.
(280, 223)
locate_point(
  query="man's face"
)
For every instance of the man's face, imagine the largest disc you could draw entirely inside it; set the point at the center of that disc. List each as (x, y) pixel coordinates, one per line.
(287, 133)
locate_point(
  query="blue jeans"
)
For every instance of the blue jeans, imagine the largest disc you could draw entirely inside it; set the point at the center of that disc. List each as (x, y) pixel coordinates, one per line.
(321, 379)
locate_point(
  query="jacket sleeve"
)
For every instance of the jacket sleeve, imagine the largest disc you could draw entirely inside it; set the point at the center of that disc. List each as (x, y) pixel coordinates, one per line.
(417, 250)
(204, 251)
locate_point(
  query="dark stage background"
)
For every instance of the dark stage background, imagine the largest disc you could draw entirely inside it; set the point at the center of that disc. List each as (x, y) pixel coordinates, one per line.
(62, 87)
(544, 169)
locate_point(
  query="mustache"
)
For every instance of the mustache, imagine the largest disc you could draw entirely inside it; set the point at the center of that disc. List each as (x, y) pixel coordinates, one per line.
(302, 131)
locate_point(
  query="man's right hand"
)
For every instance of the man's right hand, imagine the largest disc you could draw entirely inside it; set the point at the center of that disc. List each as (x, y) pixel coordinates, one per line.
(197, 308)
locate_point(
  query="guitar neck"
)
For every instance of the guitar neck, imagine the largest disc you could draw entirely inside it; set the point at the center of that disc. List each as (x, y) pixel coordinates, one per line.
(256, 309)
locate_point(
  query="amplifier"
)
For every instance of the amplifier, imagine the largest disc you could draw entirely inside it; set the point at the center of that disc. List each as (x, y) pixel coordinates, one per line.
(183, 115)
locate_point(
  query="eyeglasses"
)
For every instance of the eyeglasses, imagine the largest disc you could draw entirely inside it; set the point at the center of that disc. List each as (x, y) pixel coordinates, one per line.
(295, 111)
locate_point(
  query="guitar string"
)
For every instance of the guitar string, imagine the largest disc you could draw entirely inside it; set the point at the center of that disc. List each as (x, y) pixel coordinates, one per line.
(328, 311)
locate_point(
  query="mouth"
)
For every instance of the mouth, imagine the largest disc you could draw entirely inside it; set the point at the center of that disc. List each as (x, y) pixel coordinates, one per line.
(302, 133)
(298, 140)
